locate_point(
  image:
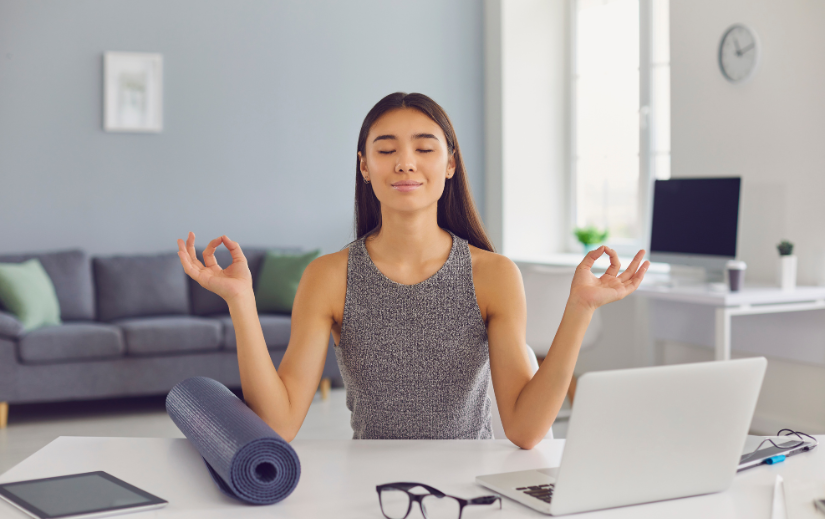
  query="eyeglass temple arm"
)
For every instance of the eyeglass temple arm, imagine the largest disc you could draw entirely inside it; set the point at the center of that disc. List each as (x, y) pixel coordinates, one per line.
(485, 500)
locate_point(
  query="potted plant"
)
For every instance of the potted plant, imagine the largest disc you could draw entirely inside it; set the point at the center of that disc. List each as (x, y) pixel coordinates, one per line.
(787, 265)
(590, 237)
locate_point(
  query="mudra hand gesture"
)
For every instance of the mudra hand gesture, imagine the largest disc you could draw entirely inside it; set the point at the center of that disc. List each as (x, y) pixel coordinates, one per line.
(230, 283)
(593, 291)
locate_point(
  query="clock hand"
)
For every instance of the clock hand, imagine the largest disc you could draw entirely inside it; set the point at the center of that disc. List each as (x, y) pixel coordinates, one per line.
(736, 44)
(746, 49)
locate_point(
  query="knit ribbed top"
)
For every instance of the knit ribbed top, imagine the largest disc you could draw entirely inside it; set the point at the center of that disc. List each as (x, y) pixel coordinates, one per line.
(414, 358)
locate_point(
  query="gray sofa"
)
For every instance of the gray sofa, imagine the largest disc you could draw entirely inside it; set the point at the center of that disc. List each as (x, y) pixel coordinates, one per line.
(132, 325)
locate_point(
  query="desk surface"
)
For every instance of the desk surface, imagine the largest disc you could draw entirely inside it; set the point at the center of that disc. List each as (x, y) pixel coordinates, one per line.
(750, 295)
(339, 476)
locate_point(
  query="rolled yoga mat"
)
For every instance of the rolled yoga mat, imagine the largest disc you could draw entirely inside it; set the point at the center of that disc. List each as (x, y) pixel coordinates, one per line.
(246, 458)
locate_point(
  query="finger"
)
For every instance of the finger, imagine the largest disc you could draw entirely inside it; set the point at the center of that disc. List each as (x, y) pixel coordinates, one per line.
(631, 269)
(209, 253)
(637, 278)
(615, 264)
(190, 248)
(234, 249)
(185, 261)
(591, 257)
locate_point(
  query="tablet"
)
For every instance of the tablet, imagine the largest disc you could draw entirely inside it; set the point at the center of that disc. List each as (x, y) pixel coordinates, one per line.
(91, 494)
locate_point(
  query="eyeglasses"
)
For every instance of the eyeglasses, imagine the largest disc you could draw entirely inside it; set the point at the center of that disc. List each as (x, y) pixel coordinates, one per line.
(396, 501)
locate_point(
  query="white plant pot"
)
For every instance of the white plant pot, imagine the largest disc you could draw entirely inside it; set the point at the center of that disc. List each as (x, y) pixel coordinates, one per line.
(787, 272)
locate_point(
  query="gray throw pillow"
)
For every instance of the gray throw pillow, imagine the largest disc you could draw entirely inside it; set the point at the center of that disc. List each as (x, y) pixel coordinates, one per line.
(139, 285)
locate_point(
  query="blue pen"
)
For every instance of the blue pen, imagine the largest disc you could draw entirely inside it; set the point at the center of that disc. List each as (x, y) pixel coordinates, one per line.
(773, 460)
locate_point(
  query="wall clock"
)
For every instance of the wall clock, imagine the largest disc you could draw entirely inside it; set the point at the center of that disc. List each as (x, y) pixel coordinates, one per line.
(739, 52)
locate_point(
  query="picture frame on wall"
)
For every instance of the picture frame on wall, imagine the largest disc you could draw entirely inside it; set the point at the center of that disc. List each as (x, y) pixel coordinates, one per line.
(133, 92)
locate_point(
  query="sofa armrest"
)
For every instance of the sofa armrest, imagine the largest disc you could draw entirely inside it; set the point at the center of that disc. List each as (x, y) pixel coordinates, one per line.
(10, 326)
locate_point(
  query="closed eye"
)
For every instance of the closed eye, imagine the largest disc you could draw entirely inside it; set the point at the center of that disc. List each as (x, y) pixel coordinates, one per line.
(425, 151)
(386, 152)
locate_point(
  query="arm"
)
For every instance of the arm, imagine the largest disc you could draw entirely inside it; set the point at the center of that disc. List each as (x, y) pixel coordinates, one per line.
(529, 405)
(280, 397)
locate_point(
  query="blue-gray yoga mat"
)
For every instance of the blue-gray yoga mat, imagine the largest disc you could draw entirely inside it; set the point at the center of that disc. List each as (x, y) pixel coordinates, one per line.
(246, 458)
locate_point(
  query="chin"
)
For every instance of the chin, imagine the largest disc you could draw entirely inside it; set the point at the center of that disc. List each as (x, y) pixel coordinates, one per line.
(408, 205)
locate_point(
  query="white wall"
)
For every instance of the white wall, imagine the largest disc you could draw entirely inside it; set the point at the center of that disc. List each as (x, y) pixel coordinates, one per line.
(770, 131)
(527, 61)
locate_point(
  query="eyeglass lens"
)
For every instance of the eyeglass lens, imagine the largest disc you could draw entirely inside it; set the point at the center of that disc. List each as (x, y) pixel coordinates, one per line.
(440, 507)
(394, 503)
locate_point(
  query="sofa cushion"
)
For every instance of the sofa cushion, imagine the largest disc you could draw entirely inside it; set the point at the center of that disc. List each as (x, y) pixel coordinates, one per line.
(160, 335)
(71, 275)
(70, 342)
(275, 327)
(140, 285)
(205, 302)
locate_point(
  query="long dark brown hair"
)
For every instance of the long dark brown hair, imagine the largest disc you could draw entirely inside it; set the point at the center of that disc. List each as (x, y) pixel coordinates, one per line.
(456, 210)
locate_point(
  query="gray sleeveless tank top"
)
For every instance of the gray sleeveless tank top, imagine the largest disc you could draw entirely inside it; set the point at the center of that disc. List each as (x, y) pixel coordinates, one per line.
(414, 358)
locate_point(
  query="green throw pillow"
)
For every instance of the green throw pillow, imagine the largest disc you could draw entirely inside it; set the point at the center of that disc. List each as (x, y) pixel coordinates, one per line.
(278, 280)
(27, 291)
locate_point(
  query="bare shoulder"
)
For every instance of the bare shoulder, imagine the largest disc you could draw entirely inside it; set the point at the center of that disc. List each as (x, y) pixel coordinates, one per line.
(490, 267)
(327, 271)
(496, 278)
(325, 278)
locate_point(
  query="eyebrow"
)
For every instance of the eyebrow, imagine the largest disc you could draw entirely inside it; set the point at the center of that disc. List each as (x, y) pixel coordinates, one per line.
(416, 136)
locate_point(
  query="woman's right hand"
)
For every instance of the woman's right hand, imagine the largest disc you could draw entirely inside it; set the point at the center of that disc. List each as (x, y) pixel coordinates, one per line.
(233, 282)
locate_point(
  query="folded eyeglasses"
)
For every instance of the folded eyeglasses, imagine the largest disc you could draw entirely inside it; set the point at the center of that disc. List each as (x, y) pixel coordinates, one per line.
(396, 501)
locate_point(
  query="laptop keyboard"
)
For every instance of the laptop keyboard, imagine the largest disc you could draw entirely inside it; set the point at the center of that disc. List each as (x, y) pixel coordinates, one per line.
(543, 492)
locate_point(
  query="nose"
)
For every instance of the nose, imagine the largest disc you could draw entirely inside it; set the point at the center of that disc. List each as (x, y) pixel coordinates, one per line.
(406, 162)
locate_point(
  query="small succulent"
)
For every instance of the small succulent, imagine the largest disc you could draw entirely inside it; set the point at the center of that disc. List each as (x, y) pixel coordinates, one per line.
(785, 248)
(590, 235)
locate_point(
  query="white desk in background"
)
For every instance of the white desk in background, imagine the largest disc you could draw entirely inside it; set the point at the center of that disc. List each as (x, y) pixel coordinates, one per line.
(338, 477)
(699, 315)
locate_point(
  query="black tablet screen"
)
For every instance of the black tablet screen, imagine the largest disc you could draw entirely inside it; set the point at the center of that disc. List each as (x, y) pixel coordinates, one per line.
(73, 495)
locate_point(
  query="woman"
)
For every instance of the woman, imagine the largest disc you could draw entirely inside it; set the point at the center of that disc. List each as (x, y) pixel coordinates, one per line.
(421, 309)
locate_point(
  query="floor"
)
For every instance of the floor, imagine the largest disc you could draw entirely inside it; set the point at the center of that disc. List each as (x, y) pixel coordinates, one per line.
(33, 426)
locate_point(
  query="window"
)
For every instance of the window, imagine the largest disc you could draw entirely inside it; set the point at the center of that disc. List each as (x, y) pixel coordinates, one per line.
(621, 115)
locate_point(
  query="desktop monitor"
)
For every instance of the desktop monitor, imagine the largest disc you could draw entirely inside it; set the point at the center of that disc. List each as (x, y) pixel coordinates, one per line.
(695, 222)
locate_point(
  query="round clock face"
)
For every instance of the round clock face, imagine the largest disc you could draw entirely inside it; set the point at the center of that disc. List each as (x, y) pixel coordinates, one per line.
(738, 53)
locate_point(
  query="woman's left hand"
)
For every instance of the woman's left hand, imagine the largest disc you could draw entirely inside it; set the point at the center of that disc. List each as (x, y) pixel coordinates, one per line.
(593, 292)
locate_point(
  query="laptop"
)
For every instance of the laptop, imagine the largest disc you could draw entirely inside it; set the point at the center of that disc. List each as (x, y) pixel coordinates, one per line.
(643, 435)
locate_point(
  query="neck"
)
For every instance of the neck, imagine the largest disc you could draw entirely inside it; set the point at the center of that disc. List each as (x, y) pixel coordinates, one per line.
(410, 239)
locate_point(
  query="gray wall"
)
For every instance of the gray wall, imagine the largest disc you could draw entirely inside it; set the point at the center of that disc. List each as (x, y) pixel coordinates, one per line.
(263, 103)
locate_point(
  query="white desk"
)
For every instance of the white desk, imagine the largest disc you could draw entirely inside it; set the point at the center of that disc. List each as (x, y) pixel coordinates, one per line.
(685, 313)
(338, 477)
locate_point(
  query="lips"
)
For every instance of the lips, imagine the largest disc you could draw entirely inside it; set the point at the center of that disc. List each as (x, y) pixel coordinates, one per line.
(406, 185)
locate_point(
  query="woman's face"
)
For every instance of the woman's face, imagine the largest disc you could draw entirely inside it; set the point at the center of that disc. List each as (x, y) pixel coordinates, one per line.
(406, 160)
